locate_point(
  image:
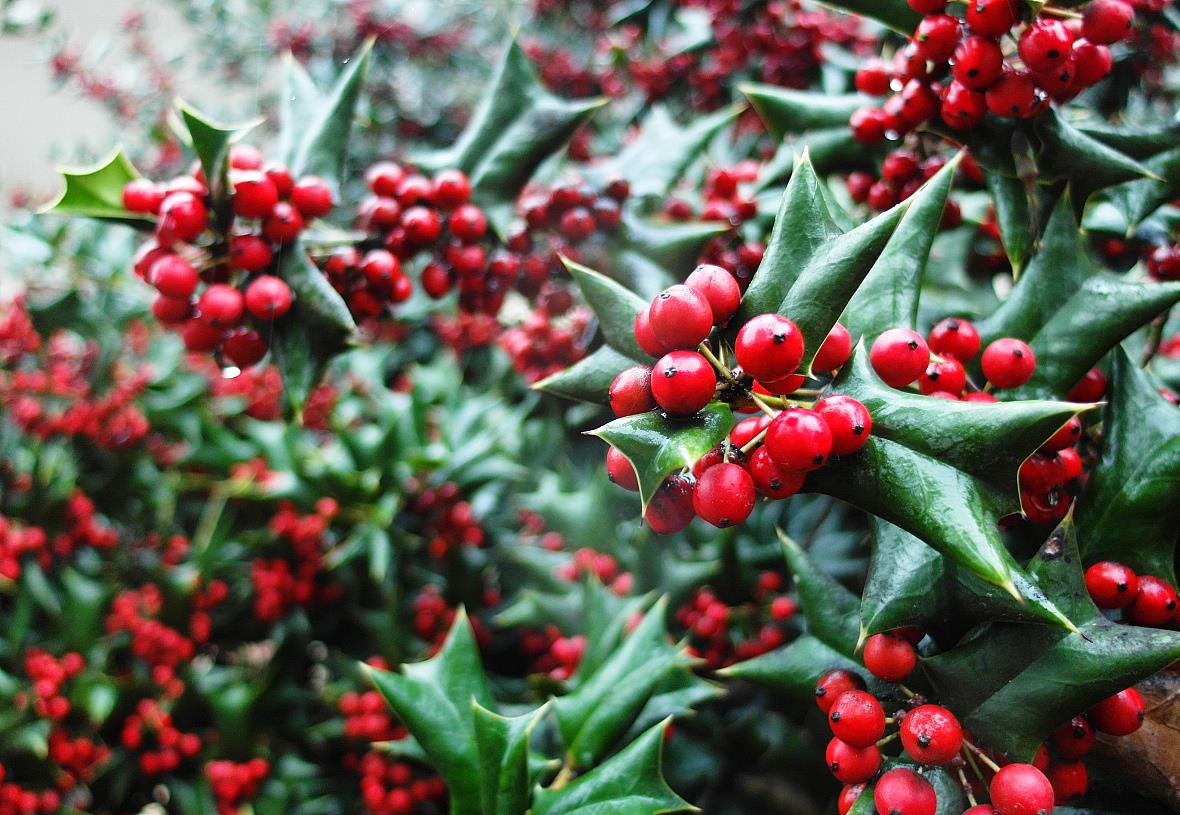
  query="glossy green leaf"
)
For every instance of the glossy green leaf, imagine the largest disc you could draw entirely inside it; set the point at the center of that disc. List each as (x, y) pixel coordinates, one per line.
(896, 14)
(211, 142)
(588, 379)
(97, 192)
(517, 126)
(503, 744)
(630, 782)
(672, 246)
(1015, 683)
(1088, 164)
(658, 446)
(613, 305)
(1134, 201)
(943, 471)
(434, 701)
(793, 668)
(888, 297)
(786, 111)
(1129, 511)
(1013, 215)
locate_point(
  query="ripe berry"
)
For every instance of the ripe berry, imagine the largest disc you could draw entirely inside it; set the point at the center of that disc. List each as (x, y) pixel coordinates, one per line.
(978, 62)
(1111, 585)
(284, 223)
(772, 480)
(468, 223)
(1071, 463)
(1073, 739)
(1092, 63)
(630, 392)
(682, 382)
(1069, 780)
(899, 356)
(799, 440)
(719, 288)
(936, 36)
(962, 108)
(724, 495)
(670, 509)
(576, 224)
(1066, 436)
(857, 718)
(931, 734)
(1021, 789)
(254, 195)
(142, 195)
(183, 217)
(833, 684)
(312, 196)
(1155, 602)
(852, 765)
(174, 277)
(171, 311)
(680, 317)
(620, 471)
(422, 225)
(889, 657)
(848, 420)
(1041, 472)
(245, 157)
(200, 336)
(243, 347)
(1045, 44)
(268, 298)
(1119, 715)
(1014, 95)
(384, 177)
(992, 18)
(380, 267)
(868, 125)
(451, 189)
(947, 376)
(834, 351)
(1008, 363)
(901, 791)
(280, 176)
(919, 102)
(249, 253)
(927, 6)
(221, 305)
(873, 78)
(745, 430)
(1107, 21)
(769, 347)
(414, 190)
(848, 797)
(644, 336)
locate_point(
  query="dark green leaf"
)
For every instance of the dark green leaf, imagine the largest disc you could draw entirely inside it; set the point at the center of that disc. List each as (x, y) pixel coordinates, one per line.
(97, 192)
(1010, 197)
(1088, 164)
(1135, 200)
(896, 14)
(503, 744)
(589, 378)
(211, 142)
(672, 246)
(787, 111)
(794, 668)
(614, 306)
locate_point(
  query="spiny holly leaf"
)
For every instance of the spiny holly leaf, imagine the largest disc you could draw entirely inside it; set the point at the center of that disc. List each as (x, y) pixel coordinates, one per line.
(97, 192)
(610, 697)
(315, 127)
(1010, 197)
(786, 111)
(1101, 314)
(1133, 201)
(657, 446)
(211, 142)
(831, 150)
(944, 471)
(652, 255)
(1129, 510)
(434, 700)
(629, 782)
(888, 297)
(517, 125)
(613, 305)
(1013, 684)
(1139, 142)
(896, 14)
(909, 583)
(663, 149)
(503, 744)
(1088, 164)
(588, 379)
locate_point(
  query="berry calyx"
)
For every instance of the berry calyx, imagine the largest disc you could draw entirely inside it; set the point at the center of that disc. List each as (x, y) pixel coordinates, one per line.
(1073, 739)
(955, 337)
(1111, 585)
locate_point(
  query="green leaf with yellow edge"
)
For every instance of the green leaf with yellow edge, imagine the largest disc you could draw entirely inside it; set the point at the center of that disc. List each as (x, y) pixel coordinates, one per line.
(658, 446)
(503, 744)
(97, 192)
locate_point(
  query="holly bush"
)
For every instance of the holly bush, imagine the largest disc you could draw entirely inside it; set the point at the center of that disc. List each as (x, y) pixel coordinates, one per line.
(310, 414)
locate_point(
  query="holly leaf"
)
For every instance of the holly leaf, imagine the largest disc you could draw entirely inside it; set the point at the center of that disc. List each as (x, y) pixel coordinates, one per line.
(503, 744)
(1013, 215)
(652, 255)
(1129, 511)
(888, 296)
(211, 142)
(1014, 684)
(1073, 155)
(943, 471)
(434, 699)
(588, 379)
(613, 305)
(896, 14)
(786, 111)
(630, 782)
(1134, 201)
(517, 126)
(97, 192)
(658, 446)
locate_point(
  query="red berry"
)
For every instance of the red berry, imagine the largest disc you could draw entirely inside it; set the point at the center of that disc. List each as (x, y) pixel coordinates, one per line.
(670, 509)
(174, 277)
(249, 253)
(936, 36)
(414, 190)
(1111, 585)
(873, 78)
(1071, 463)
(868, 125)
(245, 157)
(1119, 715)
(254, 194)
(724, 495)
(1021, 789)
(1154, 604)
(1164, 263)
(848, 420)
(962, 108)
(452, 189)
(1091, 62)
(312, 196)
(243, 347)
(1069, 780)
(468, 223)
(919, 102)
(576, 224)
(1045, 44)
(857, 718)
(978, 63)
(200, 336)
(1014, 95)
(899, 356)
(142, 195)
(268, 298)
(833, 684)
(899, 167)
(280, 176)
(620, 471)
(901, 791)
(183, 217)
(680, 317)
(1008, 362)
(927, 6)
(834, 351)
(380, 267)
(171, 311)
(769, 347)
(1066, 436)
(1041, 472)
(644, 336)
(221, 306)
(947, 376)
(956, 338)
(889, 657)
(799, 440)
(284, 223)
(422, 225)
(384, 177)
(1090, 388)
(682, 382)
(630, 392)
(719, 288)
(848, 797)
(992, 18)
(931, 734)
(852, 765)
(1107, 21)
(1073, 739)
(772, 480)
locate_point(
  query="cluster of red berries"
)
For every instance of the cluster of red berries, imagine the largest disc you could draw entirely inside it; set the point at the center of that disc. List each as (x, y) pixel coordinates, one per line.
(82, 527)
(367, 717)
(902, 173)
(49, 675)
(958, 70)
(215, 282)
(80, 759)
(542, 344)
(1163, 262)
(16, 800)
(548, 652)
(160, 647)
(294, 579)
(1143, 599)
(722, 634)
(770, 455)
(1050, 477)
(151, 732)
(448, 521)
(586, 561)
(234, 783)
(391, 786)
(932, 736)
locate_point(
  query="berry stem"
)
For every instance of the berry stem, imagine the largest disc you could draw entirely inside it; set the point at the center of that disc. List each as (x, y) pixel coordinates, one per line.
(995, 768)
(754, 442)
(909, 694)
(564, 776)
(1053, 11)
(966, 787)
(882, 742)
(722, 369)
(767, 409)
(971, 763)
